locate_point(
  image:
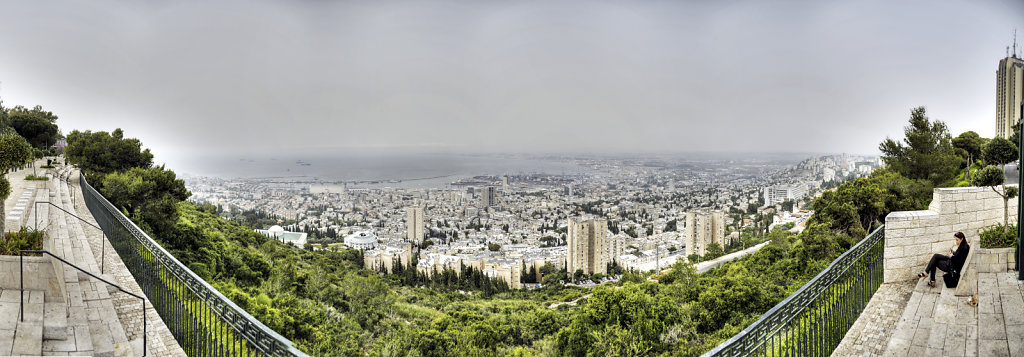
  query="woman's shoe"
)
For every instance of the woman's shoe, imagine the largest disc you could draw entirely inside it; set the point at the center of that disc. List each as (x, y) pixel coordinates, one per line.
(921, 275)
(931, 283)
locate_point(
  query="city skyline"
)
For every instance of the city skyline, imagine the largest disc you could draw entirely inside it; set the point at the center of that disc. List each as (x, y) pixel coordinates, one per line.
(267, 78)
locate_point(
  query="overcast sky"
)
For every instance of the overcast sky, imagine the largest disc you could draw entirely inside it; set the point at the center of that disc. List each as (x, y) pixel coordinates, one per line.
(194, 78)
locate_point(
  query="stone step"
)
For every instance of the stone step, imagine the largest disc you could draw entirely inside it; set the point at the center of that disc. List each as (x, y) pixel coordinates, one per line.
(55, 321)
(26, 336)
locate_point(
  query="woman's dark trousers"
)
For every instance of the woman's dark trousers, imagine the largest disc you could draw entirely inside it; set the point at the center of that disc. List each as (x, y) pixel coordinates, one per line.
(938, 261)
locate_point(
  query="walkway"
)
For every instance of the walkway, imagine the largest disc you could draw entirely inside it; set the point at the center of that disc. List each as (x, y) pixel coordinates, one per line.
(714, 263)
(79, 315)
(932, 321)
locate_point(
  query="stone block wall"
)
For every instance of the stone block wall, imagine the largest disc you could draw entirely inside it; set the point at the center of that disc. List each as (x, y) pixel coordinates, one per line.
(911, 237)
(995, 260)
(39, 275)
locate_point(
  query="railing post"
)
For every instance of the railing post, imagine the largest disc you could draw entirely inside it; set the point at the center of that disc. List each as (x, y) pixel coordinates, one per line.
(21, 278)
(103, 249)
(144, 327)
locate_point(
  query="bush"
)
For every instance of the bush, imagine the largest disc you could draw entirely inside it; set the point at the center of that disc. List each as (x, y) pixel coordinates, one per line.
(31, 177)
(993, 237)
(25, 239)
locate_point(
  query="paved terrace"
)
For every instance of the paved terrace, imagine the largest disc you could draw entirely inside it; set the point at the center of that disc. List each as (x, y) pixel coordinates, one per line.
(905, 317)
(67, 312)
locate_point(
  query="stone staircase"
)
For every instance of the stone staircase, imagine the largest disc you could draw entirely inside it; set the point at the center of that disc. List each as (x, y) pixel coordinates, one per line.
(938, 322)
(79, 320)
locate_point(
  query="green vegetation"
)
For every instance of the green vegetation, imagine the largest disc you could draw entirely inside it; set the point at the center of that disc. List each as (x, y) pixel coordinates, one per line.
(926, 152)
(101, 153)
(999, 236)
(31, 177)
(24, 239)
(14, 152)
(37, 126)
(328, 304)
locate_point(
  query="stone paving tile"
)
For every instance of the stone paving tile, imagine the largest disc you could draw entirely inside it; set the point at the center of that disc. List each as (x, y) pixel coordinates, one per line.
(1016, 340)
(991, 327)
(994, 348)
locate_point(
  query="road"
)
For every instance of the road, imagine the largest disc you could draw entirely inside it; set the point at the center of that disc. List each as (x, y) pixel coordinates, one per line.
(1012, 174)
(708, 265)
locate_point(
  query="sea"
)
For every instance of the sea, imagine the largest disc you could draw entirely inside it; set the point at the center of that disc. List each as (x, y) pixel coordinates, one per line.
(373, 170)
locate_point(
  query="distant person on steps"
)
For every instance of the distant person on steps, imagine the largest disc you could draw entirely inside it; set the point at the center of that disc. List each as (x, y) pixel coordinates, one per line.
(951, 263)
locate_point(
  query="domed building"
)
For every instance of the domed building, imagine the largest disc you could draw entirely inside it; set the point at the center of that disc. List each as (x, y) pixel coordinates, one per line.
(364, 240)
(278, 232)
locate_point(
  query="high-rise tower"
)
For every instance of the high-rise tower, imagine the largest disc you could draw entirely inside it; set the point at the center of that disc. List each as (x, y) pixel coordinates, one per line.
(587, 240)
(414, 224)
(1009, 82)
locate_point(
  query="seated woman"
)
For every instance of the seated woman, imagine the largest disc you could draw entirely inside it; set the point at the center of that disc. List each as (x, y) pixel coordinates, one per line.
(951, 263)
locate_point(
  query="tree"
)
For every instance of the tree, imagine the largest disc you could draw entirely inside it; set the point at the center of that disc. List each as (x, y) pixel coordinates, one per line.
(926, 152)
(970, 142)
(714, 250)
(671, 226)
(993, 176)
(999, 151)
(100, 153)
(14, 152)
(36, 126)
(968, 145)
(149, 195)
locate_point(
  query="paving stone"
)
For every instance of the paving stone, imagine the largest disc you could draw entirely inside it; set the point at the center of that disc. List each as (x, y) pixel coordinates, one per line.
(6, 342)
(955, 341)
(991, 327)
(993, 348)
(1016, 340)
(28, 339)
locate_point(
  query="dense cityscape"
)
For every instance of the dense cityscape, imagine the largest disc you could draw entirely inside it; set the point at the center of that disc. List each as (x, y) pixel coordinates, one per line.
(650, 213)
(511, 179)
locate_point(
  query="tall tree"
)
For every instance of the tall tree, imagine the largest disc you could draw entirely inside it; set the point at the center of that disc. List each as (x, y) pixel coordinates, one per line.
(926, 152)
(35, 126)
(14, 152)
(149, 195)
(968, 145)
(100, 153)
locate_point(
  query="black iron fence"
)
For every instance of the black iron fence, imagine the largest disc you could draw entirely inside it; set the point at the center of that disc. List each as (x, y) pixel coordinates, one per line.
(813, 320)
(204, 322)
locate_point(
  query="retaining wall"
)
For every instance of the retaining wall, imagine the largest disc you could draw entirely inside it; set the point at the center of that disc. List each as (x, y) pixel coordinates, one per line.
(911, 237)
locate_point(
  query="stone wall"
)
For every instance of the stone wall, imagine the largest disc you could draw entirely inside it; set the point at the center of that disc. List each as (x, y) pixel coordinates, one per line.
(995, 260)
(39, 275)
(911, 237)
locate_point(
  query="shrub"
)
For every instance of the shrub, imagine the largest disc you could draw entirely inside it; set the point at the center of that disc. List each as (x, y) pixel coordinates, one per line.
(994, 237)
(31, 177)
(26, 238)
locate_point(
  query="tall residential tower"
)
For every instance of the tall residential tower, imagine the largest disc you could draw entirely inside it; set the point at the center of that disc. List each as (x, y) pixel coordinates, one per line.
(704, 227)
(1009, 77)
(414, 225)
(587, 240)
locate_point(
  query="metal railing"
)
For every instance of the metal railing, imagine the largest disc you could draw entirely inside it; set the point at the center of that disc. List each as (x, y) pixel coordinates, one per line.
(103, 239)
(21, 277)
(813, 320)
(204, 321)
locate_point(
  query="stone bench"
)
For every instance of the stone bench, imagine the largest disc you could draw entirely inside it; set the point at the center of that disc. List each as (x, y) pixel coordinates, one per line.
(968, 283)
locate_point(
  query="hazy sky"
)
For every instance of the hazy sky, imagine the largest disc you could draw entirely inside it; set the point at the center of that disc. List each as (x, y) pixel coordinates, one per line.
(194, 78)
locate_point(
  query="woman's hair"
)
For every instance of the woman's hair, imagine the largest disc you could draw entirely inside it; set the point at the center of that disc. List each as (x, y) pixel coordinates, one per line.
(959, 235)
